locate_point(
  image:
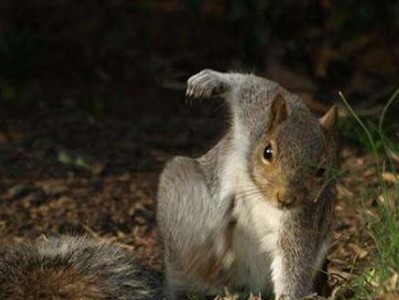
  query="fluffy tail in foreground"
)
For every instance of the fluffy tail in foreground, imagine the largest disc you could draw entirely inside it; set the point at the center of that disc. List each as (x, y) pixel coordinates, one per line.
(73, 268)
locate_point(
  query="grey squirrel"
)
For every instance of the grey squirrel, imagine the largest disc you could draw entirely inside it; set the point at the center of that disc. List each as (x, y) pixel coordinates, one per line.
(254, 212)
(74, 268)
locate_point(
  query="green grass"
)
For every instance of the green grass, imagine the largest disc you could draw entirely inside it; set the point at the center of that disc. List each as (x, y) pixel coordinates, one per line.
(381, 279)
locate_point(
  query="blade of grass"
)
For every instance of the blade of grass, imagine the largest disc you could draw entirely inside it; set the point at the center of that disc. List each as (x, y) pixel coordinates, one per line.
(368, 134)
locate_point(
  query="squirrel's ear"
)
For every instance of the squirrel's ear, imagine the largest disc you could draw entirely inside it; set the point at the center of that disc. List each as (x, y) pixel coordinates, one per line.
(329, 120)
(278, 112)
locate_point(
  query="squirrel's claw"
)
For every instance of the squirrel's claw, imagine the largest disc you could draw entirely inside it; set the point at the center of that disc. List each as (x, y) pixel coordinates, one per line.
(205, 84)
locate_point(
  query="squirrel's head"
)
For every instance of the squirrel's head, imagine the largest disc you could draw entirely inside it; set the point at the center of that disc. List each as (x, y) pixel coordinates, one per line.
(292, 159)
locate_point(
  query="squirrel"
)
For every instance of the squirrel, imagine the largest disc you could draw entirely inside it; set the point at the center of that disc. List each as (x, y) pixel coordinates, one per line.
(253, 214)
(73, 268)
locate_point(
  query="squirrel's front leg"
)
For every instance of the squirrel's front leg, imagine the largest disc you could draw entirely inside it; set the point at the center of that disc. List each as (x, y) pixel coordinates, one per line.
(294, 266)
(291, 277)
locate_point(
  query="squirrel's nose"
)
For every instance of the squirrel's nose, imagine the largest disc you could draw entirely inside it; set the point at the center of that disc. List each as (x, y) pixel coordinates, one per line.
(285, 199)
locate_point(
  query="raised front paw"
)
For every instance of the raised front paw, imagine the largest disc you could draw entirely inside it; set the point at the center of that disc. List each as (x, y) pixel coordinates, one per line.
(207, 83)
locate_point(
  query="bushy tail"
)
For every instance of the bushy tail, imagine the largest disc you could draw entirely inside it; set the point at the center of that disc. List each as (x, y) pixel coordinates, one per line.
(73, 268)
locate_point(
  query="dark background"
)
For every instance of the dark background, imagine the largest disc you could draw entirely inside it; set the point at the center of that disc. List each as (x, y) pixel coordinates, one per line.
(92, 95)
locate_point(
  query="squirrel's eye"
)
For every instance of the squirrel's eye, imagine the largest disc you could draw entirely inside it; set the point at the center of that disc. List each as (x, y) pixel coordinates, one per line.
(268, 152)
(320, 172)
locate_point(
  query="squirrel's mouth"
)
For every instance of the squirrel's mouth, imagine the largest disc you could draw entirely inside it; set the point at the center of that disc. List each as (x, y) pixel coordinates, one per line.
(287, 206)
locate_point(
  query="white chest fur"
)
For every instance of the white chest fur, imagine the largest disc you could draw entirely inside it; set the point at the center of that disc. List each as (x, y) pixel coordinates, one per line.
(255, 242)
(255, 237)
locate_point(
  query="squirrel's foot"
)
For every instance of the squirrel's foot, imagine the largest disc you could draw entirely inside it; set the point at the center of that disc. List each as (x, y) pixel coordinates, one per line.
(284, 297)
(207, 83)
